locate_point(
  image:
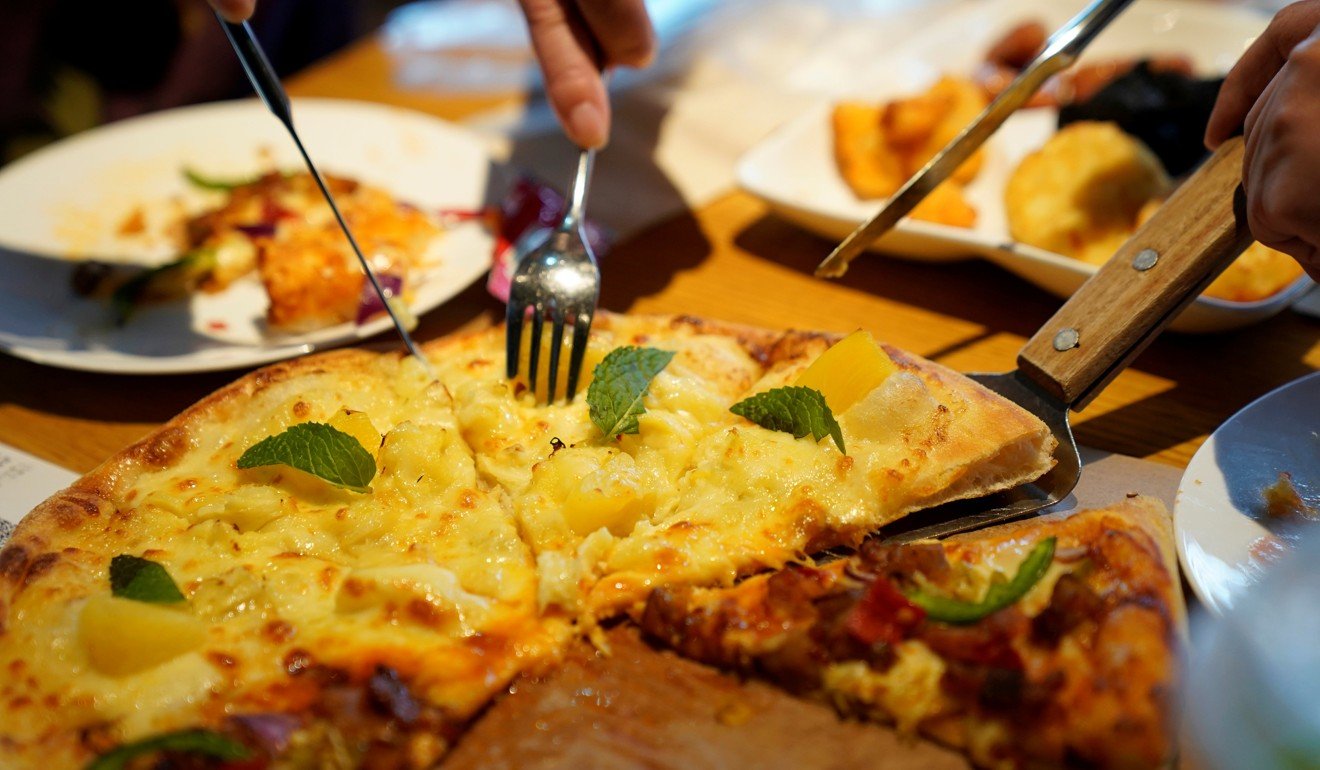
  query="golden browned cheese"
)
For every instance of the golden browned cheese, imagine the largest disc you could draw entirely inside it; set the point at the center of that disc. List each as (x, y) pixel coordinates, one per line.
(481, 547)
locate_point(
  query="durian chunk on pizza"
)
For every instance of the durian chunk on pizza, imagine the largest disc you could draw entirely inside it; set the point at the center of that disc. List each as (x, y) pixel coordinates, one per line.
(493, 525)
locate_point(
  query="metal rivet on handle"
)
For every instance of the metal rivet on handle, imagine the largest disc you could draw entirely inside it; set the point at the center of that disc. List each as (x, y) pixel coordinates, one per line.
(1145, 259)
(1067, 339)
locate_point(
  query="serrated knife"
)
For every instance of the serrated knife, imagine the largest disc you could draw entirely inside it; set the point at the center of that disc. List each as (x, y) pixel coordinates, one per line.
(1060, 52)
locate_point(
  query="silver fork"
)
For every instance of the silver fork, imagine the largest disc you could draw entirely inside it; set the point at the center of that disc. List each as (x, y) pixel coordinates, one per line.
(558, 277)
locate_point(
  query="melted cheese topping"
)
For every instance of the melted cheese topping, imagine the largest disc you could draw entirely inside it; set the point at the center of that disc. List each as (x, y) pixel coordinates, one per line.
(478, 545)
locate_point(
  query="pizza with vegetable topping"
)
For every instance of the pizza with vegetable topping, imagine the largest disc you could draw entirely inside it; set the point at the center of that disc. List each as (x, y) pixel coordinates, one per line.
(279, 228)
(338, 561)
(1050, 643)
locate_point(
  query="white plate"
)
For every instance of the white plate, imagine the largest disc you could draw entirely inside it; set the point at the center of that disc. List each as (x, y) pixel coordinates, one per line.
(1216, 514)
(67, 202)
(793, 169)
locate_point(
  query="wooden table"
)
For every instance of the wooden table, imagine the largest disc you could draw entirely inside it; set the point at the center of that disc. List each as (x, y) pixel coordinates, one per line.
(731, 259)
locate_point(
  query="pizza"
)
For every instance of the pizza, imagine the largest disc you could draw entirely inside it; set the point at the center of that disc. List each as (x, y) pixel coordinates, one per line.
(1048, 643)
(356, 601)
(278, 228)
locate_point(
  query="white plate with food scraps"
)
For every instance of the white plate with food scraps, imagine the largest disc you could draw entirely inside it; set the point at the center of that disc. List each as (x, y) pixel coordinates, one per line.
(69, 202)
(1227, 532)
(794, 171)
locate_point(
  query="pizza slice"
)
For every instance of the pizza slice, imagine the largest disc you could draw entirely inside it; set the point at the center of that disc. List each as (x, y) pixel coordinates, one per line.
(1048, 643)
(698, 494)
(339, 627)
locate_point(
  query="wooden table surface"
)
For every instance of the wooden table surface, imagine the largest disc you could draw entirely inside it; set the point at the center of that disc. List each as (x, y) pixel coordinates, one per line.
(732, 259)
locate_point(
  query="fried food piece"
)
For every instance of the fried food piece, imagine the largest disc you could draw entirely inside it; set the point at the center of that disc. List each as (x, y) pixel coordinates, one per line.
(1080, 195)
(861, 151)
(1258, 273)
(311, 274)
(1284, 503)
(1018, 46)
(957, 102)
(310, 280)
(946, 205)
(879, 147)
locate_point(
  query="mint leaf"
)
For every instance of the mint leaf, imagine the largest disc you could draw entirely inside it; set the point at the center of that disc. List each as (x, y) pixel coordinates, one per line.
(205, 742)
(792, 409)
(316, 448)
(143, 580)
(618, 385)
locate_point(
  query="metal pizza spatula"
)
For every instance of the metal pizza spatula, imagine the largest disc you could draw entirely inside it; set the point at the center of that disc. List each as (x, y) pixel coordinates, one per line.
(1102, 327)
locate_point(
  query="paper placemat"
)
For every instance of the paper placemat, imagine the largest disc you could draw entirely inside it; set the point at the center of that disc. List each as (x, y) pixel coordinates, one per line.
(25, 481)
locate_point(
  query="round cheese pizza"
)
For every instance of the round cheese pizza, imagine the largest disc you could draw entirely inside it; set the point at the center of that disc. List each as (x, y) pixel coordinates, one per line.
(243, 588)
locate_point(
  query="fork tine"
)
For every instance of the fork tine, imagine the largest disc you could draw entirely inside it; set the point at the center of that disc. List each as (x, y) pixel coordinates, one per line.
(556, 343)
(581, 331)
(538, 319)
(514, 316)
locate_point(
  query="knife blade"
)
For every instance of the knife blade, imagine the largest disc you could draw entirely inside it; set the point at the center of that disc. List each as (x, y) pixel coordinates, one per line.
(1060, 52)
(267, 85)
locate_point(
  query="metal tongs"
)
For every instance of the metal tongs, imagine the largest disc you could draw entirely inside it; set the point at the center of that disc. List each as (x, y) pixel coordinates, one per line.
(1060, 53)
(268, 87)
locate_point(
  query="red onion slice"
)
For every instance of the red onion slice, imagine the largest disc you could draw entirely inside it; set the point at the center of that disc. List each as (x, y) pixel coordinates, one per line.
(260, 230)
(369, 302)
(271, 732)
(531, 205)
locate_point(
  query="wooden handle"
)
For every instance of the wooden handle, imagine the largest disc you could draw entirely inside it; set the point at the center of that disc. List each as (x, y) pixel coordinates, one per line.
(1162, 268)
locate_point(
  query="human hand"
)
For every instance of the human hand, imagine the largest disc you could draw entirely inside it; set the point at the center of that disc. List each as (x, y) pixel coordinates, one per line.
(1273, 95)
(573, 41)
(234, 10)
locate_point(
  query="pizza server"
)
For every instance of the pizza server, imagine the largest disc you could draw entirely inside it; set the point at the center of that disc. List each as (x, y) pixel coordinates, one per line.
(1197, 233)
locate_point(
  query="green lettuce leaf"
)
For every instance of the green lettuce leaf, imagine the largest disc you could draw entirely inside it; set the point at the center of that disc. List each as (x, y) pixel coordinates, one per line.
(143, 580)
(618, 385)
(316, 448)
(792, 409)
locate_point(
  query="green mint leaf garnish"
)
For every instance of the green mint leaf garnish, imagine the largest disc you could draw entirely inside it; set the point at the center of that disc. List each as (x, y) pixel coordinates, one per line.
(316, 448)
(143, 580)
(213, 183)
(999, 595)
(792, 409)
(205, 742)
(618, 385)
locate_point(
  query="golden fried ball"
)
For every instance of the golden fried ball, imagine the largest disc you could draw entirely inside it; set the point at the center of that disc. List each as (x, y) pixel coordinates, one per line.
(1081, 193)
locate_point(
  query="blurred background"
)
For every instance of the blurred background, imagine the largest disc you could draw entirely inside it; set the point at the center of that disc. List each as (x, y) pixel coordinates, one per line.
(67, 65)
